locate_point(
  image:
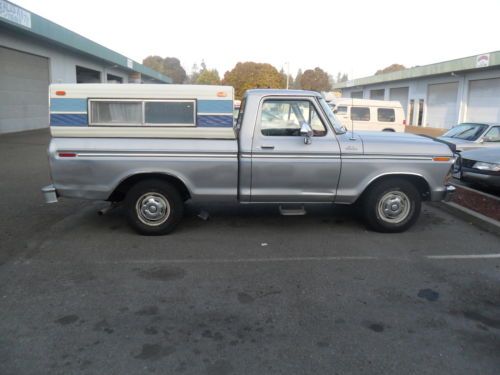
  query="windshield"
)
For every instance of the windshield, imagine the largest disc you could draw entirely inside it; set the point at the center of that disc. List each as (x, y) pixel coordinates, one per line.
(339, 128)
(467, 132)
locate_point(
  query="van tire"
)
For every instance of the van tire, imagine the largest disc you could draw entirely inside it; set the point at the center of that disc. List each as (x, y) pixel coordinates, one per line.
(391, 206)
(153, 207)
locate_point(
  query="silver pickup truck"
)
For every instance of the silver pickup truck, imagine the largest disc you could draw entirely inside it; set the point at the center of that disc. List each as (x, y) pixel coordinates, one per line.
(153, 147)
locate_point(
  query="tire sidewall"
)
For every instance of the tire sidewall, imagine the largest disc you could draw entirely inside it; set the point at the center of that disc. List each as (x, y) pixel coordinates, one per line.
(169, 192)
(375, 221)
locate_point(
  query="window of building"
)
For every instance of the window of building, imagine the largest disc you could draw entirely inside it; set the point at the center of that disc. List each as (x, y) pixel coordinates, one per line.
(386, 115)
(357, 94)
(420, 112)
(170, 113)
(377, 94)
(360, 114)
(412, 111)
(284, 118)
(86, 75)
(111, 78)
(116, 113)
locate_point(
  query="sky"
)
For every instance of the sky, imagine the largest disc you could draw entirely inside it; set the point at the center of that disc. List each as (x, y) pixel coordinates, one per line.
(356, 37)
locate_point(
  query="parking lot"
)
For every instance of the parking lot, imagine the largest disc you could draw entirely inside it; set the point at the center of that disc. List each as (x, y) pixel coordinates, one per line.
(245, 292)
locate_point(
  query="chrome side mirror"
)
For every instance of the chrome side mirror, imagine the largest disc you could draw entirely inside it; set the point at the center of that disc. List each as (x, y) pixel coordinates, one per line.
(306, 132)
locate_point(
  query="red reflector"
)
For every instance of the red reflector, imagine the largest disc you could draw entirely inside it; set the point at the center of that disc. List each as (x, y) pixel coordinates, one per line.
(404, 122)
(67, 155)
(60, 93)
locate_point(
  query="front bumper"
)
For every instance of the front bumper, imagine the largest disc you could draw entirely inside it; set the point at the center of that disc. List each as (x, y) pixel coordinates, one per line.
(50, 194)
(480, 178)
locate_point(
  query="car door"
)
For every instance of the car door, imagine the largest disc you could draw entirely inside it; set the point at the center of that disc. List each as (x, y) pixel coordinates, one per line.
(284, 167)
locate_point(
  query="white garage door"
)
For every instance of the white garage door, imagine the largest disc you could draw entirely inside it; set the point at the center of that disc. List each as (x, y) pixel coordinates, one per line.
(484, 101)
(24, 81)
(400, 94)
(442, 105)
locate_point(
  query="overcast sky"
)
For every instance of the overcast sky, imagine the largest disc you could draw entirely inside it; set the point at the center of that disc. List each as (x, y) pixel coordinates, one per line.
(353, 36)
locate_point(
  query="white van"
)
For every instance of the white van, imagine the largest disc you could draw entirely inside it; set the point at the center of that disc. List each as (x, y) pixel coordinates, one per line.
(370, 115)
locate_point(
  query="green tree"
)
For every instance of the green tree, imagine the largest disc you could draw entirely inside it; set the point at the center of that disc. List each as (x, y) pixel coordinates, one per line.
(296, 81)
(390, 69)
(315, 80)
(250, 75)
(341, 77)
(208, 77)
(170, 66)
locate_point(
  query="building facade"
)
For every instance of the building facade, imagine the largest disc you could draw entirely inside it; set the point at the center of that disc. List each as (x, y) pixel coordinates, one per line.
(438, 95)
(35, 52)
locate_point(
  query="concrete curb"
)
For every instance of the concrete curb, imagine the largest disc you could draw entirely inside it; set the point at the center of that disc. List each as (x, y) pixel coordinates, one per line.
(473, 217)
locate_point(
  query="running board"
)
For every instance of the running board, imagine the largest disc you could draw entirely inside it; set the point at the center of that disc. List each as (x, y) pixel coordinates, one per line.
(292, 211)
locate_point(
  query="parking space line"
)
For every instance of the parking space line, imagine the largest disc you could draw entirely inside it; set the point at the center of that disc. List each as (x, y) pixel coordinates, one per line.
(464, 256)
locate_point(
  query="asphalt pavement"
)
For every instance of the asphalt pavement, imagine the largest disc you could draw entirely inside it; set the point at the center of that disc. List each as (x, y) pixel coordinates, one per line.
(245, 292)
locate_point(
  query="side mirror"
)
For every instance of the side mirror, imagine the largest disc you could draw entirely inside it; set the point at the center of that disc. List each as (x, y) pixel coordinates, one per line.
(306, 132)
(335, 110)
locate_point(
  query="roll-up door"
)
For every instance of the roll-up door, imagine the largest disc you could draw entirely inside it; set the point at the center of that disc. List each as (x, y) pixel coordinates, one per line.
(24, 81)
(442, 105)
(400, 94)
(484, 101)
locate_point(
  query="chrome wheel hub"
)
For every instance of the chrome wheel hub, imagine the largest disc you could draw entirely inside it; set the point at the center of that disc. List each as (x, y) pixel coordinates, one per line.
(152, 209)
(394, 207)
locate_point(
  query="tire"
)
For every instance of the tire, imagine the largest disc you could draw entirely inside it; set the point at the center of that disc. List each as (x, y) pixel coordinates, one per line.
(153, 207)
(392, 205)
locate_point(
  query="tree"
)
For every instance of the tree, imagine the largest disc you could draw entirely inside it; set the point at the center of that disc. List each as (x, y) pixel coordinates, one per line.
(341, 77)
(208, 77)
(170, 66)
(315, 80)
(390, 69)
(195, 73)
(249, 75)
(296, 81)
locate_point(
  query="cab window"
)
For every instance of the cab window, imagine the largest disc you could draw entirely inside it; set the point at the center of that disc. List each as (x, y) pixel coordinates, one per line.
(493, 135)
(360, 114)
(284, 118)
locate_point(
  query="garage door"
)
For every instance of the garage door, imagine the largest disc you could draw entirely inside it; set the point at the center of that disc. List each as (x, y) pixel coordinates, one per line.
(484, 101)
(400, 94)
(24, 81)
(442, 105)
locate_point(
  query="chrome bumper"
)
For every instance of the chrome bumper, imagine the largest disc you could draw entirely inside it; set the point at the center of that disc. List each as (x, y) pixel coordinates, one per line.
(50, 194)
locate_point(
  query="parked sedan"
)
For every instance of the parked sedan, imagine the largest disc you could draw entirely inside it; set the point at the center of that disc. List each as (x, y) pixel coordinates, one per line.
(480, 166)
(468, 136)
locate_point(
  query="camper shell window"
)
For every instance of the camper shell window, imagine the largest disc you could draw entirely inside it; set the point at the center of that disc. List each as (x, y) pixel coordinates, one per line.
(135, 112)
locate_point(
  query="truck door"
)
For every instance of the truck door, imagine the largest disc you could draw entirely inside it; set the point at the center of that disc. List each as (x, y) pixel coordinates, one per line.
(284, 167)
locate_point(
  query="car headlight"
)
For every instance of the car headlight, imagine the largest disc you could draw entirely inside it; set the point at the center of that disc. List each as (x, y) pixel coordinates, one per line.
(494, 167)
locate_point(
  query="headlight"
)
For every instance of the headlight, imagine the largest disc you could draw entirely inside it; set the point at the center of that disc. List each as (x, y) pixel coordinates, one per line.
(487, 166)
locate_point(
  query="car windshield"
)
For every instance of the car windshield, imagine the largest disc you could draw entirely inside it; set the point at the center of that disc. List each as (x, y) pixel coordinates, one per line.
(467, 132)
(339, 128)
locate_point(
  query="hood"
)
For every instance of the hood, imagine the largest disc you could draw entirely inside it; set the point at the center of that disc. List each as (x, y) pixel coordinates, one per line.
(461, 144)
(488, 155)
(402, 144)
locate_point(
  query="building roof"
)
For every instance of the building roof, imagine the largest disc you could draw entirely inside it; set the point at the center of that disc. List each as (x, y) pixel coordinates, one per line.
(31, 24)
(476, 62)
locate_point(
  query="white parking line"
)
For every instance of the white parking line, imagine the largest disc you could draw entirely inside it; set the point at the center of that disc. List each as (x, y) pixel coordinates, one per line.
(464, 256)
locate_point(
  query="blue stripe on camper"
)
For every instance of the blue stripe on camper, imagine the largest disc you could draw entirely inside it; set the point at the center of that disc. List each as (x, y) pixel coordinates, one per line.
(68, 119)
(68, 105)
(215, 106)
(215, 121)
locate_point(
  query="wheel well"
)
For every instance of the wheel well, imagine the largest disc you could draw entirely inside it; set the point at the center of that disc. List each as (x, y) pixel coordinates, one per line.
(418, 181)
(121, 190)
(389, 130)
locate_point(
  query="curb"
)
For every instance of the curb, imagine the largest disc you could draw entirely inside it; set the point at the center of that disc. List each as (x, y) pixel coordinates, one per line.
(473, 217)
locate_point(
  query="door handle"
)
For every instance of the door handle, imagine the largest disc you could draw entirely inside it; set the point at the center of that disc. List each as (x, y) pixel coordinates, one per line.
(267, 147)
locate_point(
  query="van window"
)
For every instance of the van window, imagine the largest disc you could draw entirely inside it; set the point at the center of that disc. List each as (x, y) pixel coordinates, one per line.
(169, 112)
(123, 112)
(360, 114)
(386, 115)
(341, 110)
(284, 118)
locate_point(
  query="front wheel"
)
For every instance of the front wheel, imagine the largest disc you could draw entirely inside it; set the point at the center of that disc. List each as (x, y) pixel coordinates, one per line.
(392, 206)
(154, 207)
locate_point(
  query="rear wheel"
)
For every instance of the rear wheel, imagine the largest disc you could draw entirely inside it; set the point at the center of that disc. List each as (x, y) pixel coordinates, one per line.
(154, 207)
(392, 205)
